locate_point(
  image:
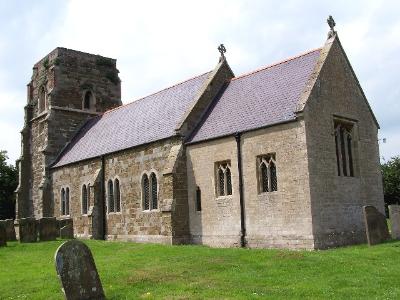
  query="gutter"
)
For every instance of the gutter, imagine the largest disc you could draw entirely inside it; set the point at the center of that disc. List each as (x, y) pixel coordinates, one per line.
(241, 196)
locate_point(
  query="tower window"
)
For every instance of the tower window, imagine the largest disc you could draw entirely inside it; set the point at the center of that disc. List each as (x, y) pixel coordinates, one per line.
(88, 101)
(223, 179)
(198, 199)
(344, 144)
(268, 181)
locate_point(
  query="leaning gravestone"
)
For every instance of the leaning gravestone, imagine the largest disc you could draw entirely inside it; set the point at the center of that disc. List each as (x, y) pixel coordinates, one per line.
(67, 232)
(375, 225)
(27, 230)
(77, 272)
(3, 236)
(48, 229)
(10, 230)
(394, 215)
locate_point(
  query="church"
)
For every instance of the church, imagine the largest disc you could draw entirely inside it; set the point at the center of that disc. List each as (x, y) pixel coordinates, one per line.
(285, 156)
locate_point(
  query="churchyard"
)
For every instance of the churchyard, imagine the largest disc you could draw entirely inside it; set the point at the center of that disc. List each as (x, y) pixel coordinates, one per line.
(149, 271)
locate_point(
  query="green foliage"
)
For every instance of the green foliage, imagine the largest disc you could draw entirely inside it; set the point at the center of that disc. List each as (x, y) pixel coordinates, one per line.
(391, 180)
(113, 77)
(8, 184)
(136, 271)
(46, 63)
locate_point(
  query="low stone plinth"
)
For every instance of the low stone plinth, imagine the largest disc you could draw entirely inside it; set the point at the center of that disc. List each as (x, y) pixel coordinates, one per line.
(27, 230)
(47, 228)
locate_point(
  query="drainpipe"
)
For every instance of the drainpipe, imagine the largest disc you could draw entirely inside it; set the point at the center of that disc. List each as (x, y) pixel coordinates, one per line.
(241, 196)
(103, 198)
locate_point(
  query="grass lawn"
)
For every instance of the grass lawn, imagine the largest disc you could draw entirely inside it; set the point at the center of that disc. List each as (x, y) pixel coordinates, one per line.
(131, 271)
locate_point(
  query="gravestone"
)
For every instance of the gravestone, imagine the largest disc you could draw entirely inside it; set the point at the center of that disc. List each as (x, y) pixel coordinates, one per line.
(10, 230)
(3, 236)
(64, 222)
(394, 215)
(77, 272)
(47, 228)
(27, 230)
(375, 225)
(67, 232)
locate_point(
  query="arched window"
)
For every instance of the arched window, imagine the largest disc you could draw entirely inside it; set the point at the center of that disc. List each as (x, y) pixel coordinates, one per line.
(154, 196)
(42, 103)
(344, 148)
(145, 192)
(67, 201)
(268, 181)
(88, 101)
(224, 179)
(110, 196)
(85, 199)
(117, 196)
(198, 199)
(63, 202)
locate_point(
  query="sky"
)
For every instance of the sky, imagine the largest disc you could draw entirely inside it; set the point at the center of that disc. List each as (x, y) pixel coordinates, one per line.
(160, 43)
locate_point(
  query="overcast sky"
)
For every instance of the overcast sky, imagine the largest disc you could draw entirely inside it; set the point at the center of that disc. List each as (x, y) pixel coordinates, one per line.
(159, 43)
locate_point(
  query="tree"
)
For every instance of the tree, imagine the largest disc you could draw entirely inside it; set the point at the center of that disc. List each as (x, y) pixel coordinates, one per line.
(8, 184)
(391, 181)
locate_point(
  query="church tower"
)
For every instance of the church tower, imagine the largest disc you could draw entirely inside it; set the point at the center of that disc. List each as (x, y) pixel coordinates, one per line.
(67, 87)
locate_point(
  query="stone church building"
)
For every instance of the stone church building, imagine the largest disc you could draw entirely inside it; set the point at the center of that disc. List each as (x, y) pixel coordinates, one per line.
(284, 156)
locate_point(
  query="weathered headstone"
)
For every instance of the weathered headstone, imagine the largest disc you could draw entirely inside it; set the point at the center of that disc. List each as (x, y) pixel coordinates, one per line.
(375, 225)
(64, 222)
(77, 272)
(27, 230)
(67, 232)
(10, 230)
(394, 215)
(3, 236)
(47, 229)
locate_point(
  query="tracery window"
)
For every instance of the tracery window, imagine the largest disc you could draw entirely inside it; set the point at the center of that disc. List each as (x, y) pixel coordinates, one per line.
(268, 181)
(344, 148)
(224, 179)
(149, 192)
(85, 199)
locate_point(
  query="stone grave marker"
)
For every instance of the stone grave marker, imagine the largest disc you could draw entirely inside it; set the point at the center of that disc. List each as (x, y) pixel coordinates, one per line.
(10, 230)
(394, 215)
(3, 236)
(27, 230)
(47, 229)
(67, 232)
(77, 272)
(375, 225)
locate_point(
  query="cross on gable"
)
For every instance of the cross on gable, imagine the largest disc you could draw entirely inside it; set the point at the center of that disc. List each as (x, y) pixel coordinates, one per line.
(222, 49)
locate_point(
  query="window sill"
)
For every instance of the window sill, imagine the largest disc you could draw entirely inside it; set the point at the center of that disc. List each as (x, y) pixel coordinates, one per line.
(65, 216)
(224, 197)
(147, 211)
(114, 213)
(267, 193)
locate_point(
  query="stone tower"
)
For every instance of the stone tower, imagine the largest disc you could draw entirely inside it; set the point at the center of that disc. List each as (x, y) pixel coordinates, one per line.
(67, 88)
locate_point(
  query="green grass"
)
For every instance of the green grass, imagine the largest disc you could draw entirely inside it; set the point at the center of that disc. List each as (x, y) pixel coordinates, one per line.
(131, 271)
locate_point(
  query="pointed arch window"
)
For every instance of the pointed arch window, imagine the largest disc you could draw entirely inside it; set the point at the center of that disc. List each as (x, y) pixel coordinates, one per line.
(154, 196)
(344, 145)
(85, 199)
(63, 204)
(268, 181)
(42, 102)
(88, 101)
(117, 197)
(145, 192)
(111, 206)
(224, 179)
(198, 199)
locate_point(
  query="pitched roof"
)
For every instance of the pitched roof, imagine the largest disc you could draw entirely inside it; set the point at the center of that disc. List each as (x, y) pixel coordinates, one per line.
(265, 97)
(143, 121)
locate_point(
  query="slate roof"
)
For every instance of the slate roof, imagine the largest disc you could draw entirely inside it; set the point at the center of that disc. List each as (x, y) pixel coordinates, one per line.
(262, 98)
(143, 121)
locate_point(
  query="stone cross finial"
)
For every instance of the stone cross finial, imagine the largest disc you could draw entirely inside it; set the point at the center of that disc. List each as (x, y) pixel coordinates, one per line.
(332, 24)
(222, 50)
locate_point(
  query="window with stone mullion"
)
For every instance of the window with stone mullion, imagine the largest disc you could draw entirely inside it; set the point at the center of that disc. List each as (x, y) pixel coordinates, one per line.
(146, 192)
(110, 196)
(154, 196)
(117, 198)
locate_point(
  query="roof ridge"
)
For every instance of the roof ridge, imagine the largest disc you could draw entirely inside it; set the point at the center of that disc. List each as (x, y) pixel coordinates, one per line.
(164, 89)
(276, 64)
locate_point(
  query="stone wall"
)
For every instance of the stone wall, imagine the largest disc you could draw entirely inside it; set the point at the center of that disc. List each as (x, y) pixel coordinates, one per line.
(128, 166)
(280, 219)
(337, 201)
